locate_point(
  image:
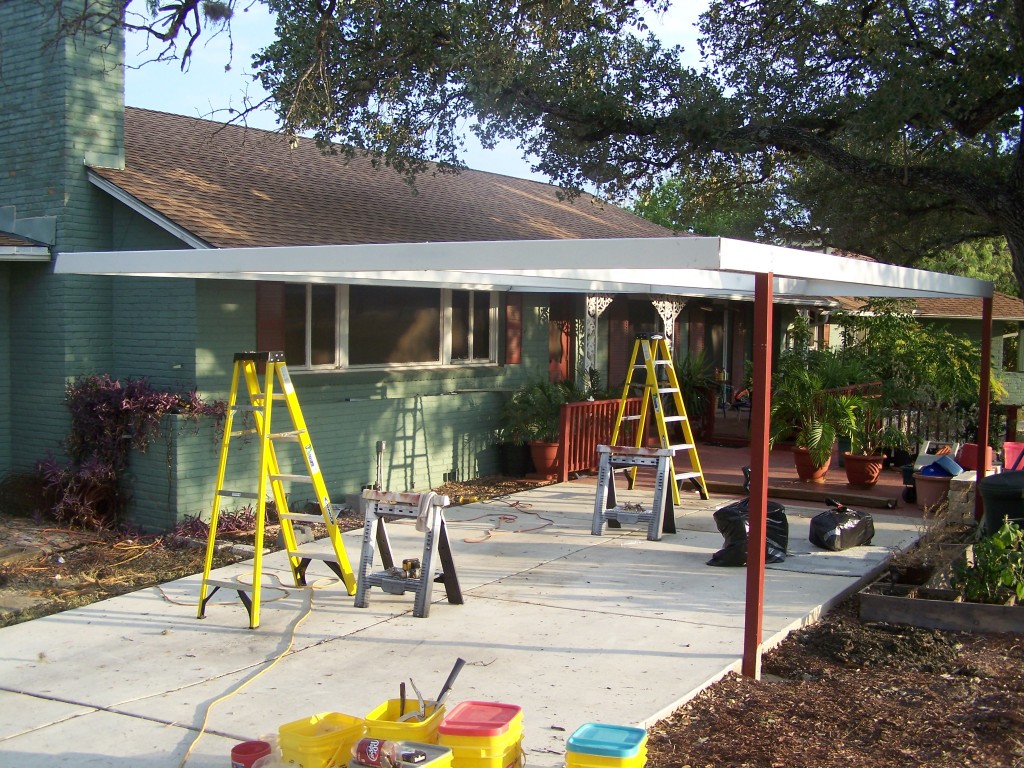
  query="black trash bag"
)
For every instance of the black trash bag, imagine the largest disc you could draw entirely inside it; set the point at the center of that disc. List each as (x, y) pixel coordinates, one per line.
(841, 528)
(733, 521)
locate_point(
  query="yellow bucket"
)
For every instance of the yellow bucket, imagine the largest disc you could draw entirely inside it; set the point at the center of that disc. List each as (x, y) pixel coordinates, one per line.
(320, 741)
(382, 722)
(599, 745)
(483, 734)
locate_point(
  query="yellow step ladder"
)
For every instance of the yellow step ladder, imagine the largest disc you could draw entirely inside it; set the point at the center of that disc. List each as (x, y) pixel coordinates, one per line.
(270, 477)
(651, 369)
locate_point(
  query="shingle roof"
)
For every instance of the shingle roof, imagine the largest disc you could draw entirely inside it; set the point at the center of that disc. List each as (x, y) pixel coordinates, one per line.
(1004, 307)
(11, 240)
(233, 187)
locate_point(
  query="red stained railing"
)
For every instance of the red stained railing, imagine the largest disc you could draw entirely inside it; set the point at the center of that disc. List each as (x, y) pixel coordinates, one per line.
(586, 425)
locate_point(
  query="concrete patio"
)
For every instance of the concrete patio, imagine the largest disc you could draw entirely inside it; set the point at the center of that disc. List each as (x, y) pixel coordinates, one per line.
(573, 627)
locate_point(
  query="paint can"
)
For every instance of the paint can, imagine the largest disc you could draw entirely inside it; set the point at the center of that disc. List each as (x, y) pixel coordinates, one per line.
(246, 754)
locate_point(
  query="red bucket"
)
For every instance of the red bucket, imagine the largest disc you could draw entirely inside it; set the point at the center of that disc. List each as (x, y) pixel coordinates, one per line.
(245, 755)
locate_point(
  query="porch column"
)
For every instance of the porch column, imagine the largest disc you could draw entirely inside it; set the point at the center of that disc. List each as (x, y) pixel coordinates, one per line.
(759, 418)
(984, 396)
(668, 308)
(596, 304)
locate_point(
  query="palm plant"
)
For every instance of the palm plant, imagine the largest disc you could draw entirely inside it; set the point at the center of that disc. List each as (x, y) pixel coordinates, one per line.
(813, 418)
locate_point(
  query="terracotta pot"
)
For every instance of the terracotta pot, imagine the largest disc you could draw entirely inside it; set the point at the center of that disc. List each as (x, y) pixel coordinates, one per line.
(862, 471)
(545, 457)
(806, 470)
(930, 490)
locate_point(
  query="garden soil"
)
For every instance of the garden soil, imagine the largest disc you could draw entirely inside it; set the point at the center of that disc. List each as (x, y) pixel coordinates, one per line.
(837, 693)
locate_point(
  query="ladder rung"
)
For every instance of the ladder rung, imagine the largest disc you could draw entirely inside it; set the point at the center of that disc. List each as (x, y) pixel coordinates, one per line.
(674, 418)
(238, 494)
(631, 418)
(682, 447)
(293, 435)
(668, 390)
(242, 432)
(293, 478)
(301, 517)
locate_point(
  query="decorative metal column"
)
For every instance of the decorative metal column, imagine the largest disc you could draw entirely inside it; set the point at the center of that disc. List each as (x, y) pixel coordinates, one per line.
(597, 303)
(668, 308)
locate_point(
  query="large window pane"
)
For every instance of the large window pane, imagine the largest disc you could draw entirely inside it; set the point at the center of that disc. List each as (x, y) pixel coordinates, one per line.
(394, 325)
(295, 324)
(323, 339)
(481, 325)
(460, 325)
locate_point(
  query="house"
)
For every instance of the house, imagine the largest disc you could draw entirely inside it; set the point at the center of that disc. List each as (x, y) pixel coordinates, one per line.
(423, 369)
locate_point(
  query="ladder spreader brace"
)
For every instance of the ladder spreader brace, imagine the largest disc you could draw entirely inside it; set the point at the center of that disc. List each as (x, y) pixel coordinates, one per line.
(271, 482)
(661, 516)
(399, 579)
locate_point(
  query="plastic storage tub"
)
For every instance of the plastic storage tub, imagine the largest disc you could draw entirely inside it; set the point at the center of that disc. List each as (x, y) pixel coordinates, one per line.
(597, 745)
(483, 734)
(433, 756)
(382, 722)
(320, 741)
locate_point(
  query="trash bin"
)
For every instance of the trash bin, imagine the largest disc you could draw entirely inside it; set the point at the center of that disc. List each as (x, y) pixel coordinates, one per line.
(1003, 496)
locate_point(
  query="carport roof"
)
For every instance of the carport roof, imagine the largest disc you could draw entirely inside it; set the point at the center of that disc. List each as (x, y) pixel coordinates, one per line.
(690, 266)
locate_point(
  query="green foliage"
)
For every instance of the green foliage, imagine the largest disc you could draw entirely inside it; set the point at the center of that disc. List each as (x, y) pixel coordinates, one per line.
(696, 376)
(985, 260)
(109, 419)
(533, 411)
(802, 412)
(914, 362)
(998, 566)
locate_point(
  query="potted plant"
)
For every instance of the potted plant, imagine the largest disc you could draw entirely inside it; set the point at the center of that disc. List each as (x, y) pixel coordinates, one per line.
(531, 415)
(699, 391)
(811, 418)
(871, 437)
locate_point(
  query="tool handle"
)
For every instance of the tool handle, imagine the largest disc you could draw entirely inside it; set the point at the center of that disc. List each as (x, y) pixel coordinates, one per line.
(401, 698)
(459, 664)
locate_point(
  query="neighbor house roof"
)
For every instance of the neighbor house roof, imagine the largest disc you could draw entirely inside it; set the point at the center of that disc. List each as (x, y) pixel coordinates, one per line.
(1004, 307)
(226, 186)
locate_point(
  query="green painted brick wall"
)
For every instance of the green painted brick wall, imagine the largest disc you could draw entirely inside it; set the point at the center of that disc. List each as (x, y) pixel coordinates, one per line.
(61, 105)
(5, 371)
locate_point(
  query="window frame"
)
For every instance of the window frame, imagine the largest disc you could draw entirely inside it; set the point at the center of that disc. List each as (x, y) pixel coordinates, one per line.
(445, 319)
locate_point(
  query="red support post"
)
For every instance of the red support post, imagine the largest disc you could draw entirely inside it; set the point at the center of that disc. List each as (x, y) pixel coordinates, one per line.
(759, 433)
(984, 396)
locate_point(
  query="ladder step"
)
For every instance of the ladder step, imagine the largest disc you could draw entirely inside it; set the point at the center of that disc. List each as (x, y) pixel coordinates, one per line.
(238, 494)
(293, 435)
(242, 432)
(327, 555)
(630, 418)
(228, 584)
(301, 517)
(667, 390)
(682, 447)
(675, 418)
(292, 478)
(687, 475)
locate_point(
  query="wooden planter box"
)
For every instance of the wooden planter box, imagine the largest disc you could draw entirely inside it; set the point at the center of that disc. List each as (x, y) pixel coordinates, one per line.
(932, 608)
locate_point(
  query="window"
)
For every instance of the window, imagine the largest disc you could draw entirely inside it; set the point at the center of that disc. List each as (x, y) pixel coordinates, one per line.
(327, 326)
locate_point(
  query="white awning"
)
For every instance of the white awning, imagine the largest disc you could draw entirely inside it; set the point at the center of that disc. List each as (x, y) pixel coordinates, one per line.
(686, 266)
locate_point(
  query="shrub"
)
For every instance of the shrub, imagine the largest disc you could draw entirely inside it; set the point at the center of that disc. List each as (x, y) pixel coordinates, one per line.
(109, 419)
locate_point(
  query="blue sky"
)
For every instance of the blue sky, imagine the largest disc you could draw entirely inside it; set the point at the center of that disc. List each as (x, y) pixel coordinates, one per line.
(219, 79)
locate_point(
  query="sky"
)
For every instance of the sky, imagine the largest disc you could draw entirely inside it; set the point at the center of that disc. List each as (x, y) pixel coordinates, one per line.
(218, 80)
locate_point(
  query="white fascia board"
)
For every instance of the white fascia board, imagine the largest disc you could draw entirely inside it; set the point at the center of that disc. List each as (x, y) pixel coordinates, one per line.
(166, 224)
(649, 253)
(24, 253)
(830, 275)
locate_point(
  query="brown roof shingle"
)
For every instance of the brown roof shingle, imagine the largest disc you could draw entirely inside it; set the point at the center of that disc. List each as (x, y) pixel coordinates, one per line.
(233, 187)
(1004, 307)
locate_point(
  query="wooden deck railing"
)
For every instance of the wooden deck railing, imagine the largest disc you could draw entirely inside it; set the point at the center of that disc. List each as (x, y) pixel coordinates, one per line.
(586, 425)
